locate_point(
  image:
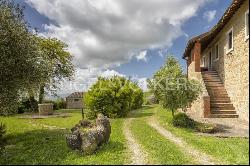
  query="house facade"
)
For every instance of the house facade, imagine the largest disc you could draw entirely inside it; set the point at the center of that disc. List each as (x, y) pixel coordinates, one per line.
(75, 100)
(219, 60)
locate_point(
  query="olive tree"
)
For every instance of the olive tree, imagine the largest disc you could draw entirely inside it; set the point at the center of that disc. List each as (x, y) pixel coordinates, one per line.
(29, 63)
(172, 88)
(19, 64)
(55, 64)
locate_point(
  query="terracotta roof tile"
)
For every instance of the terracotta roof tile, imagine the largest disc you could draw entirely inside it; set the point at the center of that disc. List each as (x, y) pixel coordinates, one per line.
(76, 95)
(207, 37)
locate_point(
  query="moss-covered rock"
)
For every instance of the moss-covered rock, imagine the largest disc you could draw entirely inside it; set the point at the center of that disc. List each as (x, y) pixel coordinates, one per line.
(87, 137)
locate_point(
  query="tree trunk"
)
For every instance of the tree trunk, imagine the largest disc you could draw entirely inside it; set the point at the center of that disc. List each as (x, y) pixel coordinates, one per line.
(41, 94)
(172, 112)
(33, 104)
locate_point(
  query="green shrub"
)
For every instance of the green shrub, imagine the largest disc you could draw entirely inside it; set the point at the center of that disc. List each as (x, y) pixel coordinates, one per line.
(28, 105)
(114, 97)
(90, 114)
(2, 138)
(182, 120)
(151, 99)
(57, 104)
(206, 127)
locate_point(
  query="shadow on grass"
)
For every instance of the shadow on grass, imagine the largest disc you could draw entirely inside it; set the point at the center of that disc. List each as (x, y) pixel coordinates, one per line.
(140, 113)
(49, 147)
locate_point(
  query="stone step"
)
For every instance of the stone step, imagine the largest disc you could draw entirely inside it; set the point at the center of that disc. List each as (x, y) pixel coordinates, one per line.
(216, 88)
(220, 101)
(218, 95)
(219, 98)
(214, 93)
(224, 116)
(223, 107)
(214, 85)
(210, 74)
(212, 82)
(223, 112)
(211, 77)
(217, 91)
(213, 71)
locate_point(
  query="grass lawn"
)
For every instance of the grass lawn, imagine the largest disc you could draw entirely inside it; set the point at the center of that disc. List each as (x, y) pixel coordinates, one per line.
(229, 150)
(35, 144)
(31, 142)
(159, 149)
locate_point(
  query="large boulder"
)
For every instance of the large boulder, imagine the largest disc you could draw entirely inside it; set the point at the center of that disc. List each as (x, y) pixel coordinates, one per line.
(87, 137)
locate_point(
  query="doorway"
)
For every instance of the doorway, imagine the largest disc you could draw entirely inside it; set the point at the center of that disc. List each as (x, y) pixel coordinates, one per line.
(210, 61)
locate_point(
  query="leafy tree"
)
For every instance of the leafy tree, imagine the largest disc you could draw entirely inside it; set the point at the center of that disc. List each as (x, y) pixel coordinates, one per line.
(2, 138)
(55, 64)
(172, 88)
(19, 65)
(114, 97)
(29, 63)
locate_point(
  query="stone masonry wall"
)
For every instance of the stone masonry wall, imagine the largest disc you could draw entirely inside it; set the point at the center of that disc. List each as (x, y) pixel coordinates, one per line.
(199, 108)
(73, 104)
(233, 67)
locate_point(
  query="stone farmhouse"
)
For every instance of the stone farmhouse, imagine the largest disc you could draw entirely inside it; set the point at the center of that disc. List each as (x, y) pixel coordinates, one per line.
(75, 100)
(219, 59)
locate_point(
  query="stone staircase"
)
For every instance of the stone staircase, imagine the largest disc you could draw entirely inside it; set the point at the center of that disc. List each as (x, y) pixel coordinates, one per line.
(220, 103)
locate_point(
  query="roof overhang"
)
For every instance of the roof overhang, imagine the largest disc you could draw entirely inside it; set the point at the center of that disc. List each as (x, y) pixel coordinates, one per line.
(207, 37)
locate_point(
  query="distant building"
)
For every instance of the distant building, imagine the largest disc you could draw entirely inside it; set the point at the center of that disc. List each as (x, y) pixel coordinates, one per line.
(75, 100)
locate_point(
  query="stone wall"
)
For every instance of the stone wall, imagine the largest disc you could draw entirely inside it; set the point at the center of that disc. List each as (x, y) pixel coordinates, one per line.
(201, 107)
(233, 67)
(74, 103)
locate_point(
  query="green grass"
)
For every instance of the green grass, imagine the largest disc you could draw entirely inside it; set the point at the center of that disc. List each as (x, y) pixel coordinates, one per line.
(27, 144)
(229, 150)
(160, 150)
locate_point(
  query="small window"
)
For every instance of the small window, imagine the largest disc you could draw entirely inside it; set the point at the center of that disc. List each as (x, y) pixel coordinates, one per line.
(247, 25)
(216, 52)
(230, 40)
(76, 100)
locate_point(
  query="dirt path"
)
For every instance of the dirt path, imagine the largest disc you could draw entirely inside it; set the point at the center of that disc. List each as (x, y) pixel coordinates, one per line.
(138, 156)
(35, 124)
(198, 156)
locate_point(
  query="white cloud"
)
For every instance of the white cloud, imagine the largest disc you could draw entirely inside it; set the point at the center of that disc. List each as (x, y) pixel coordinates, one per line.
(106, 33)
(110, 73)
(142, 56)
(209, 15)
(85, 78)
(142, 83)
(109, 31)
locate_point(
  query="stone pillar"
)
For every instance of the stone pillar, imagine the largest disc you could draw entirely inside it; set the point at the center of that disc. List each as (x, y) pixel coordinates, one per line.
(45, 109)
(197, 56)
(206, 101)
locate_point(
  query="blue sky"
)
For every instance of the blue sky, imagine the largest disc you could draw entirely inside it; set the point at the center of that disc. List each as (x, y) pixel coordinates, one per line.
(135, 57)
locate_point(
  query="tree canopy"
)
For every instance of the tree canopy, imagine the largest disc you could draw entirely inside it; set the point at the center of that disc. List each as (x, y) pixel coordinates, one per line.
(114, 96)
(171, 86)
(28, 61)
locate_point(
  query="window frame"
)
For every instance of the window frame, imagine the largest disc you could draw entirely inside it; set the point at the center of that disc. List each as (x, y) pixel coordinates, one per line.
(217, 58)
(246, 22)
(76, 99)
(204, 61)
(232, 48)
(208, 65)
